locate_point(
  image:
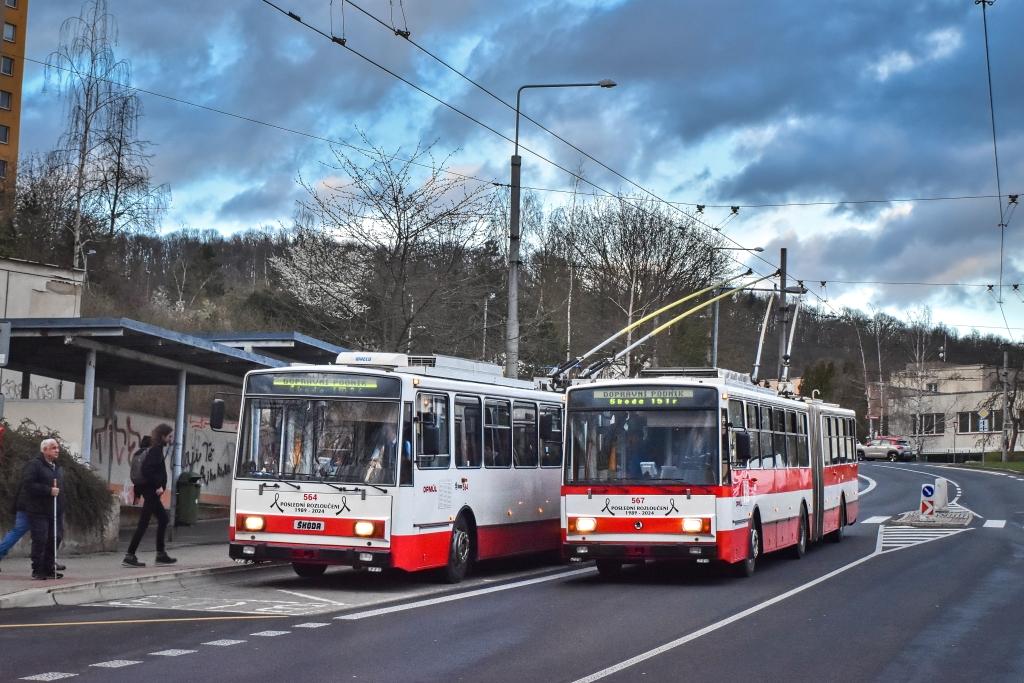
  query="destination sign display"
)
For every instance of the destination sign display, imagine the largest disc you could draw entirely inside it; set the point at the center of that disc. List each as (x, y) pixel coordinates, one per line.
(325, 384)
(641, 397)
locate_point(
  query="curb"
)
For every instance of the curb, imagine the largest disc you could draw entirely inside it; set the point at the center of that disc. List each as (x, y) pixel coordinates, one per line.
(115, 589)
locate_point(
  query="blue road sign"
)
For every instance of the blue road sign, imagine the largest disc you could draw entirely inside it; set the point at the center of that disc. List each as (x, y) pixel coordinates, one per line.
(927, 490)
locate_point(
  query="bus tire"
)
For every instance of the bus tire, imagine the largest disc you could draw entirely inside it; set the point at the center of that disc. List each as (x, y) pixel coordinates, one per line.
(460, 553)
(746, 567)
(800, 549)
(309, 571)
(837, 535)
(609, 569)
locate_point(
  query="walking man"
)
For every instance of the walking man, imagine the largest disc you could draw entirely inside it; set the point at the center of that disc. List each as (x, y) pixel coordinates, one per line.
(154, 481)
(40, 499)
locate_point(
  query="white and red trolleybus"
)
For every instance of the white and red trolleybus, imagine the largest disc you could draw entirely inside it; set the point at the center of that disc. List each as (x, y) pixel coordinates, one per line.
(701, 465)
(389, 460)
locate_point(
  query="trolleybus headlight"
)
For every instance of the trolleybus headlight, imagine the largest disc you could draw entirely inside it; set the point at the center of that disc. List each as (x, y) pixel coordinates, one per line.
(364, 528)
(696, 525)
(254, 523)
(584, 525)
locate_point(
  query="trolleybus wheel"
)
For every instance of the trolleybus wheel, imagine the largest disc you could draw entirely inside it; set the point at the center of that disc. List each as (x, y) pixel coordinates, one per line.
(837, 535)
(800, 549)
(459, 552)
(309, 571)
(746, 567)
(609, 569)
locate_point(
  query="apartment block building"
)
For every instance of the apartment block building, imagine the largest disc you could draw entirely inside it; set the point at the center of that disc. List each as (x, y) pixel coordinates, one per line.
(12, 69)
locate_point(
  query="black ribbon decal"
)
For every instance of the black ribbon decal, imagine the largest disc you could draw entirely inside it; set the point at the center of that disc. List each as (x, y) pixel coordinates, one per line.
(344, 506)
(276, 504)
(672, 502)
(608, 507)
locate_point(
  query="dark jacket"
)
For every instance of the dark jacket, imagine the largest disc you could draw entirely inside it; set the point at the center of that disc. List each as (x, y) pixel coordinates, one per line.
(34, 493)
(154, 470)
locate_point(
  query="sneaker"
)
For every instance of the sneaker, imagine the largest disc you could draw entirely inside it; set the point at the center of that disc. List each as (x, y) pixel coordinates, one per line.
(39, 577)
(59, 567)
(132, 561)
(164, 558)
(55, 575)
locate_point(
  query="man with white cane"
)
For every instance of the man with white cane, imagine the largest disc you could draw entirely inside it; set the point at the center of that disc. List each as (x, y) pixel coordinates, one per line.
(40, 484)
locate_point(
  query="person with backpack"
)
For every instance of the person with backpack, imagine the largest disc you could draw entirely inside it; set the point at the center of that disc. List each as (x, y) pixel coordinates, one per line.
(149, 478)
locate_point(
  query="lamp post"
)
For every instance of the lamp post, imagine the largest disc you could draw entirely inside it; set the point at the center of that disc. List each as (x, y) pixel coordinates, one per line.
(714, 325)
(512, 324)
(483, 351)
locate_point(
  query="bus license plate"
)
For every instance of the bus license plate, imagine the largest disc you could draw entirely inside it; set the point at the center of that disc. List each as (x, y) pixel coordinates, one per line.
(308, 525)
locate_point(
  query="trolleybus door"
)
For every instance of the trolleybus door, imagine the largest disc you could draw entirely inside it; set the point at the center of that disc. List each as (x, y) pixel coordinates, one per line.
(818, 471)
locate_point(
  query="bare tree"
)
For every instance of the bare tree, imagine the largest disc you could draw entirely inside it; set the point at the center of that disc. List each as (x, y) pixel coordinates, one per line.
(385, 249)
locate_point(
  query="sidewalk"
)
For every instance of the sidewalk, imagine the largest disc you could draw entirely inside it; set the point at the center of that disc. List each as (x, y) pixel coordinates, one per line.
(201, 550)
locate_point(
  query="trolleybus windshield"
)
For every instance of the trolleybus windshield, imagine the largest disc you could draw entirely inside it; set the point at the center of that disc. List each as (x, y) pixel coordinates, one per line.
(641, 435)
(335, 437)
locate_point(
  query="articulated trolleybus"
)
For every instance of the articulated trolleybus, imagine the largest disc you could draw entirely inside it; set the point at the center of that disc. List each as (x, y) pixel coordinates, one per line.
(389, 460)
(701, 465)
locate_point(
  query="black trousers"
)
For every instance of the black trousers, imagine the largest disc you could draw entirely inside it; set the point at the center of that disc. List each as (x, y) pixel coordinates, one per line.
(41, 528)
(151, 506)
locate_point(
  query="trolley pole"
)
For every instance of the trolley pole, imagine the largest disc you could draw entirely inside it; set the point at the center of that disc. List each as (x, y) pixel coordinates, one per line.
(782, 316)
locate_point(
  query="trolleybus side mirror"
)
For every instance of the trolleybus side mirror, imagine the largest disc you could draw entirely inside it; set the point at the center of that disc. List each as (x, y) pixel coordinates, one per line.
(217, 413)
(742, 446)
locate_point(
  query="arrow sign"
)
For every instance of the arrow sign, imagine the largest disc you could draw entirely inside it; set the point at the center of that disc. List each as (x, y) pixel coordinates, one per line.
(927, 507)
(927, 491)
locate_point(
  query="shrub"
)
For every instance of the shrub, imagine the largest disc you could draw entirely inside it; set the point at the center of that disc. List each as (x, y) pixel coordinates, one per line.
(86, 497)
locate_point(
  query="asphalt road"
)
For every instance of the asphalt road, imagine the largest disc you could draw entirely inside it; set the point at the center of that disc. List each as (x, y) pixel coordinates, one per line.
(932, 605)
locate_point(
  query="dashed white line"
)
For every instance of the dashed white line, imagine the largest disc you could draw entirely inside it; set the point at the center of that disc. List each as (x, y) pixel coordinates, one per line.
(171, 653)
(312, 597)
(311, 624)
(270, 634)
(871, 484)
(117, 663)
(995, 523)
(876, 520)
(224, 642)
(50, 676)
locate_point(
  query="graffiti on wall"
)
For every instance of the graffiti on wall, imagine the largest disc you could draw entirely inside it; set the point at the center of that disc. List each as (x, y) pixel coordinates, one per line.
(206, 452)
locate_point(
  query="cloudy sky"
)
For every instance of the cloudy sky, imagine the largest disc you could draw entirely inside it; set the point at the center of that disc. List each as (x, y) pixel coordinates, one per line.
(784, 108)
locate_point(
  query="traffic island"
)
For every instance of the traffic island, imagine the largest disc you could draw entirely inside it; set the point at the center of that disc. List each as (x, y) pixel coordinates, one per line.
(939, 520)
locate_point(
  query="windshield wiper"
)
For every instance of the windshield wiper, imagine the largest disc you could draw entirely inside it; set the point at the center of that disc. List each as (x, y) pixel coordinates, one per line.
(265, 485)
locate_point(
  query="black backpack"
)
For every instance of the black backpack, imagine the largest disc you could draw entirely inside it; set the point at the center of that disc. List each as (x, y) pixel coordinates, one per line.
(138, 457)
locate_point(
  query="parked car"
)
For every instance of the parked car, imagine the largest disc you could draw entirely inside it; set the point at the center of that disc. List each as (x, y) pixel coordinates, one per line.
(891, 448)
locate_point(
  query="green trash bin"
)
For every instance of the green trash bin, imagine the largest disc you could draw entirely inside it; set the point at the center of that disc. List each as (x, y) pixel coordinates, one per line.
(186, 509)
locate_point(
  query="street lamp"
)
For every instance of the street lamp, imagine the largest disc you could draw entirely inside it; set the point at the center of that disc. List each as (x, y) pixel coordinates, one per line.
(714, 327)
(512, 324)
(483, 351)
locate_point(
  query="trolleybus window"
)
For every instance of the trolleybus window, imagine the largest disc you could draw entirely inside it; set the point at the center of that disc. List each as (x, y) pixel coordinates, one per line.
(524, 434)
(295, 438)
(432, 450)
(497, 434)
(767, 451)
(801, 444)
(468, 432)
(550, 436)
(641, 446)
(792, 458)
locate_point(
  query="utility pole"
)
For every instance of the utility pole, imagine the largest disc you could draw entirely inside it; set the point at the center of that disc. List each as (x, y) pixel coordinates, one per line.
(1005, 376)
(782, 316)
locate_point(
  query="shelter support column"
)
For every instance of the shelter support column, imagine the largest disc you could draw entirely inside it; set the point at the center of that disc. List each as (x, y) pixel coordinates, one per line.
(89, 395)
(179, 444)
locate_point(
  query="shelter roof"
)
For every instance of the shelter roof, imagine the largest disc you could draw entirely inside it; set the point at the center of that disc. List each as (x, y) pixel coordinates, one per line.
(292, 347)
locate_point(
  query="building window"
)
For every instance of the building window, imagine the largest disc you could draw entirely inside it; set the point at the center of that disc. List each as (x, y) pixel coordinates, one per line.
(5, 99)
(5, 134)
(13, 4)
(3, 168)
(973, 422)
(9, 32)
(7, 66)
(928, 423)
(933, 387)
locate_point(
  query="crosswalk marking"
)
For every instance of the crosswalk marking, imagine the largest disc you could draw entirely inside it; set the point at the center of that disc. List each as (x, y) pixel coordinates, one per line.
(311, 624)
(117, 663)
(50, 676)
(995, 523)
(900, 537)
(172, 653)
(270, 634)
(224, 642)
(875, 520)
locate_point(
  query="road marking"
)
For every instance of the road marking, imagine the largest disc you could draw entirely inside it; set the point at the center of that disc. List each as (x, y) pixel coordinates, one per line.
(312, 597)
(876, 520)
(953, 504)
(462, 596)
(224, 643)
(171, 653)
(871, 484)
(51, 676)
(142, 621)
(900, 537)
(291, 608)
(711, 628)
(311, 624)
(270, 634)
(995, 523)
(117, 663)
